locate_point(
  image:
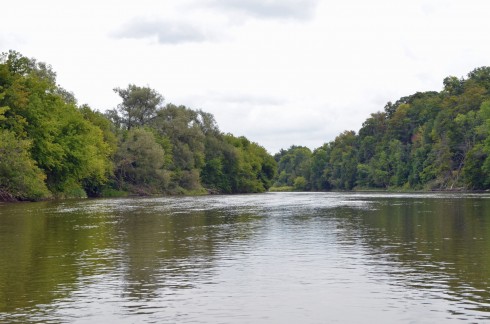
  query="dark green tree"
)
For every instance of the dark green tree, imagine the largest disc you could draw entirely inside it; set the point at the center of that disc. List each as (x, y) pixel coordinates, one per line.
(139, 105)
(139, 163)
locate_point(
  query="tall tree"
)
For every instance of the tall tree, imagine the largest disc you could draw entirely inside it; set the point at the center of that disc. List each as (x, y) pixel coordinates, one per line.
(139, 105)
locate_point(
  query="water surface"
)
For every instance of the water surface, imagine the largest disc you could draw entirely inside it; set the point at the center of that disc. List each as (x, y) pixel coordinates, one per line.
(268, 258)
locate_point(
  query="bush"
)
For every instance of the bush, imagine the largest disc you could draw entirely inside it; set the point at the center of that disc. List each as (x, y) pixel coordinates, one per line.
(20, 178)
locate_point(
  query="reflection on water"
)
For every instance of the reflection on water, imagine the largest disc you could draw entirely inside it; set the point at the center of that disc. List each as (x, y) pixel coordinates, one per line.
(277, 257)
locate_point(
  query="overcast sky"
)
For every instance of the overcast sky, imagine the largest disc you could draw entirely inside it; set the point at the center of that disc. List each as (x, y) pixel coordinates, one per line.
(279, 72)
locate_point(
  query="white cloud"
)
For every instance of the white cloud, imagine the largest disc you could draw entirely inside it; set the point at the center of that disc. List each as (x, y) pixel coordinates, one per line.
(165, 32)
(279, 72)
(276, 9)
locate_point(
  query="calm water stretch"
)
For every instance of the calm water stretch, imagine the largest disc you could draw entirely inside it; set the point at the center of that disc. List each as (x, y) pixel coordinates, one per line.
(269, 258)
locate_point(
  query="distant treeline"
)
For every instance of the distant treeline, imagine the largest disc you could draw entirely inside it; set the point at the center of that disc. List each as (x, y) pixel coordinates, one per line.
(426, 141)
(52, 147)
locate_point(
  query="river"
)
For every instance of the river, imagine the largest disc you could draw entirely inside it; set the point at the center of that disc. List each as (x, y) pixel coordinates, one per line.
(261, 258)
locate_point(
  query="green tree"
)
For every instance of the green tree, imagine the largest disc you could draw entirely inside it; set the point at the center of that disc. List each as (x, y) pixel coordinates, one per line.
(319, 161)
(485, 145)
(20, 178)
(343, 161)
(67, 147)
(292, 163)
(221, 162)
(254, 169)
(139, 163)
(139, 105)
(299, 183)
(183, 128)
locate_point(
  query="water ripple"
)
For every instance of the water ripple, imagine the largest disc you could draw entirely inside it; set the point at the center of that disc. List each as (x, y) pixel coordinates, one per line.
(277, 257)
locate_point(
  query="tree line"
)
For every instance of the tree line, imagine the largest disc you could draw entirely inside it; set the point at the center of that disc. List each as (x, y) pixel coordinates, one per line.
(425, 141)
(50, 146)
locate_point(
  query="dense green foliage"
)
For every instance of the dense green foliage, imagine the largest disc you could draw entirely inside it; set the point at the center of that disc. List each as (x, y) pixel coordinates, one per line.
(51, 146)
(295, 167)
(54, 139)
(19, 175)
(429, 141)
(177, 150)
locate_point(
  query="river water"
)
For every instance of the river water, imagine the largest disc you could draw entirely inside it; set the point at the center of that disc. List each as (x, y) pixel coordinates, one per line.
(265, 258)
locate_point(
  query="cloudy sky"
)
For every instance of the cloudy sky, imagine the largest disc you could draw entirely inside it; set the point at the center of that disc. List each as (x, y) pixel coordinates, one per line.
(280, 72)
